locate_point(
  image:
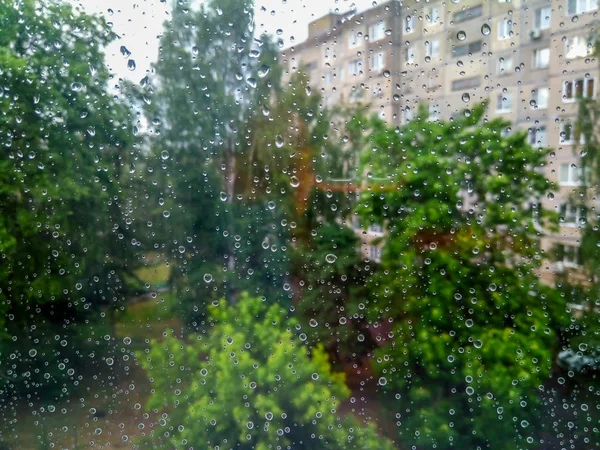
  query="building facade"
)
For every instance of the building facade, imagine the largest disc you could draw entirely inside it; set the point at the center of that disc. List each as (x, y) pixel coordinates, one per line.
(530, 59)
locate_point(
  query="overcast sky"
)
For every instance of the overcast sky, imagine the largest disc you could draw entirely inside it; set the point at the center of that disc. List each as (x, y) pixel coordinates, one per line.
(139, 23)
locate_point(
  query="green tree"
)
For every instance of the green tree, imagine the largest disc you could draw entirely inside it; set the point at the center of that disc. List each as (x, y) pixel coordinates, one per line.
(64, 238)
(214, 77)
(474, 330)
(250, 384)
(334, 290)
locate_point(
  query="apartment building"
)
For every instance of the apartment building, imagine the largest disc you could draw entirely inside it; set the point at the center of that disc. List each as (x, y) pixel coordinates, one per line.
(529, 58)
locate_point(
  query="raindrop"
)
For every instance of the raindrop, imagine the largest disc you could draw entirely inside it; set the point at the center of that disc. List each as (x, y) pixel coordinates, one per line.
(125, 51)
(313, 323)
(279, 142)
(466, 97)
(166, 214)
(251, 82)
(330, 258)
(461, 35)
(386, 73)
(485, 29)
(223, 196)
(207, 278)
(164, 155)
(131, 64)
(32, 352)
(294, 182)
(382, 381)
(110, 361)
(263, 71)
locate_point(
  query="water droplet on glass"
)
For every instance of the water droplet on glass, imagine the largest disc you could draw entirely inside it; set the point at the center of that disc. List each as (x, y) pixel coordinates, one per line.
(313, 323)
(382, 381)
(32, 352)
(223, 196)
(294, 182)
(461, 35)
(330, 258)
(166, 214)
(263, 71)
(251, 82)
(131, 64)
(386, 73)
(485, 29)
(110, 361)
(466, 97)
(279, 142)
(207, 278)
(125, 51)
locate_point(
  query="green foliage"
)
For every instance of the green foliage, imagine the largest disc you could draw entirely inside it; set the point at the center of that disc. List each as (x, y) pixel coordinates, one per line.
(250, 384)
(64, 242)
(222, 229)
(474, 330)
(334, 290)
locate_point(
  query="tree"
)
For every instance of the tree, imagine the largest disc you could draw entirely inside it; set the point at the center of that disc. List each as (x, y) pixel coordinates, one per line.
(64, 239)
(213, 79)
(334, 276)
(475, 333)
(250, 384)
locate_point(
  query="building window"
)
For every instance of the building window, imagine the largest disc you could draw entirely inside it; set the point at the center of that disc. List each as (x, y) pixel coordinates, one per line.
(540, 98)
(328, 54)
(505, 27)
(410, 55)
(407, 115)
(581, 6)
(541, 58)
(466, 83)
(570, 175)
(434, 113)
(469, 13)
(374, 253)
(355, 67)
(572, 215)
(570, 134)
(354, 40)
(465, 49)
(578, 88)
(569, 255)
(377, 62)
(543, 17)
(505, 65)
(433, 15)
(577, 47)
(432, 48)
(376, 31)
(409, 24)
(376, 228)
(537, 136)
(503, 103)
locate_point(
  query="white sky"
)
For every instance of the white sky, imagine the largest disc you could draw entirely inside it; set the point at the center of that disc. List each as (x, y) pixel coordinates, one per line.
(139, 23)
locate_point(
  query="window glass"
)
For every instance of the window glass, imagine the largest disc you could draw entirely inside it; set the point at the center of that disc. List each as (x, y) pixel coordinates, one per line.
(299, 225)
(505, 27)
(541, 58)
(543, 17)
(540, 98)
